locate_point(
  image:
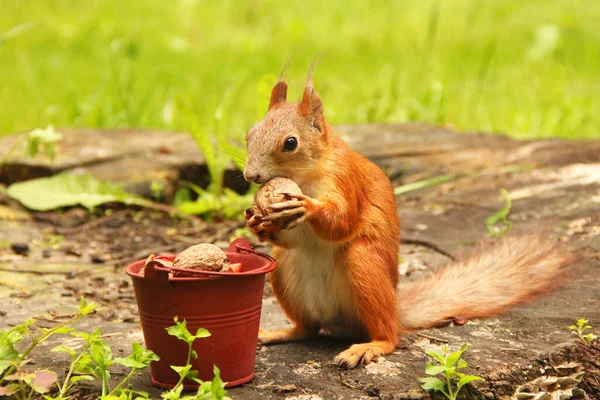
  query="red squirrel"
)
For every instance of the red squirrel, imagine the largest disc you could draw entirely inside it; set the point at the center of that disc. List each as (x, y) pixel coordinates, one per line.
(338, 257)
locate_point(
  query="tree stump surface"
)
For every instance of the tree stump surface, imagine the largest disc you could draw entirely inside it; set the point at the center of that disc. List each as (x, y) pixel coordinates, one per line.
(48, 260)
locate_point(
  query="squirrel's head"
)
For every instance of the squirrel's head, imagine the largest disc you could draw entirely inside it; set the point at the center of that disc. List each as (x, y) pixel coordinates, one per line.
(290, 139)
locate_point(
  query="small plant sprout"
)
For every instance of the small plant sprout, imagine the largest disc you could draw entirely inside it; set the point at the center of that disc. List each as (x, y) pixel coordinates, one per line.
(157, 189)
(96, 358)
(448, 364)
(91, 362)
(43, 141)
(210, 390)
(14, 379)
(501, 216)
(578, 330)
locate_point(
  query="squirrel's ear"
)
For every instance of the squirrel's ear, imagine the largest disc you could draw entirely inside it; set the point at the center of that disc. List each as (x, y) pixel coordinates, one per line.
(278, 94)
(311, 106)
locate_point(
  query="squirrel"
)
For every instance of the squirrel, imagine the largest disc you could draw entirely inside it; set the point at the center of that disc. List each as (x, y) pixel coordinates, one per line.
(338, 256)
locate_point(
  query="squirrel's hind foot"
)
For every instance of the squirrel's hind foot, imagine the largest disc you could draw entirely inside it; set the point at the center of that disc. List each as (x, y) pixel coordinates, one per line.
(363, 353)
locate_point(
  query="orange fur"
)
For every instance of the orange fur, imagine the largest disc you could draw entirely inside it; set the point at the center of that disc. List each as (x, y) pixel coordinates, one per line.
(338, 268)
(516, 271)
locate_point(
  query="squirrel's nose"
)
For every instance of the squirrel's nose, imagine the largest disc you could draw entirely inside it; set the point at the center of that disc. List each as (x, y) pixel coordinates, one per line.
(252, 177)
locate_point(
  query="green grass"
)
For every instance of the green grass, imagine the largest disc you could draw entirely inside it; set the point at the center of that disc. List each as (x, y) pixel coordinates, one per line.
(528, 68)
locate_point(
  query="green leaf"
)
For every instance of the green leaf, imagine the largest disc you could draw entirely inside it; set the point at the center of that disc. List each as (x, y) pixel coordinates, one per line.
(180, 331)
(140, 395)
(5, 364)
(66, 189)
(437, 355)
(129, 362)
(452, 358)
(218, 386)
(102, 358)
(43, 381)
(140, 357)
(62, 330)
(589, 338)
(43, 137)
(64, 349)
(16, 333)
(433, 369)
(215, 162)
(466, 379)
(85, 308)
(461, 364)
(500, 216)
(85, 364)
(78, 378)
(182, 195)
(228, 202)
(425, 183)
(8, 352)
(173, 394)
(202, 333)
(7, 348)
(83, 335)
(432, 384)
(182, 371)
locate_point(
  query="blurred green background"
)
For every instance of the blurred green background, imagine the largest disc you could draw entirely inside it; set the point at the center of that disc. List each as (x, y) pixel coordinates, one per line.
(527, 68)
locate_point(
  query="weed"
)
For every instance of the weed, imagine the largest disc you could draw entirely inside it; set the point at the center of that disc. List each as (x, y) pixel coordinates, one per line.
(93, 362)
(96, 358)
(581, 327)
(447, 363)
(35, 142)
(426, 183)
(13, 377)
(228, 204)
(43, 141)
(500, 216)
(214, 143)
(50, 241)
(214, 389)
(157, 190)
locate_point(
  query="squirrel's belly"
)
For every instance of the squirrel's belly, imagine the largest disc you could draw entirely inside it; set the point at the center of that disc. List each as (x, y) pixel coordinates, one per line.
(316, 282)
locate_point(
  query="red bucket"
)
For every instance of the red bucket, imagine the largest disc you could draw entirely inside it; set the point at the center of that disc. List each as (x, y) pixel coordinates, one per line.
(227, 304)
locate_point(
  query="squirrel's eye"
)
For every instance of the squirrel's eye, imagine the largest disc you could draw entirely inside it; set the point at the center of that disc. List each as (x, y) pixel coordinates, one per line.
(290, 144)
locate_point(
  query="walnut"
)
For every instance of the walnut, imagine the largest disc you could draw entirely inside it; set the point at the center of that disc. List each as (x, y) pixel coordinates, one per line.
(201, 257)
(272, 192)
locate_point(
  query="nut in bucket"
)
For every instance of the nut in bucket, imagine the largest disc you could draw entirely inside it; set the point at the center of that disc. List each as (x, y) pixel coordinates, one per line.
(200, 257)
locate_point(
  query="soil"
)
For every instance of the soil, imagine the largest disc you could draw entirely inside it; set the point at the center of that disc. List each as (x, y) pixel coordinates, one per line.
(48, 260)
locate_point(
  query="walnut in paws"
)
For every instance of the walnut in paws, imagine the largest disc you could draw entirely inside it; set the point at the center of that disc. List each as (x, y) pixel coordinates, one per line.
(273, 192)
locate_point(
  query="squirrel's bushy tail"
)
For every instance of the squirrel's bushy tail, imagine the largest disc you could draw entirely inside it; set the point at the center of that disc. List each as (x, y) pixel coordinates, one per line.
(516, 271)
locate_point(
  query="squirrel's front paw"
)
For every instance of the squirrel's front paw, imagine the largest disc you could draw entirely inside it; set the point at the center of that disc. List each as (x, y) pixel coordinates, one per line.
(293, 211)
(264, 230)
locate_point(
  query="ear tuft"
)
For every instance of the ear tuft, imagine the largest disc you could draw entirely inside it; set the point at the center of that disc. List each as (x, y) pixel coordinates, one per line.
(311, 106)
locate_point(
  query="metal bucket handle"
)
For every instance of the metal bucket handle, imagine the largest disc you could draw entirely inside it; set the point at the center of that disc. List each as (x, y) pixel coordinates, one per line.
(154, 271)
